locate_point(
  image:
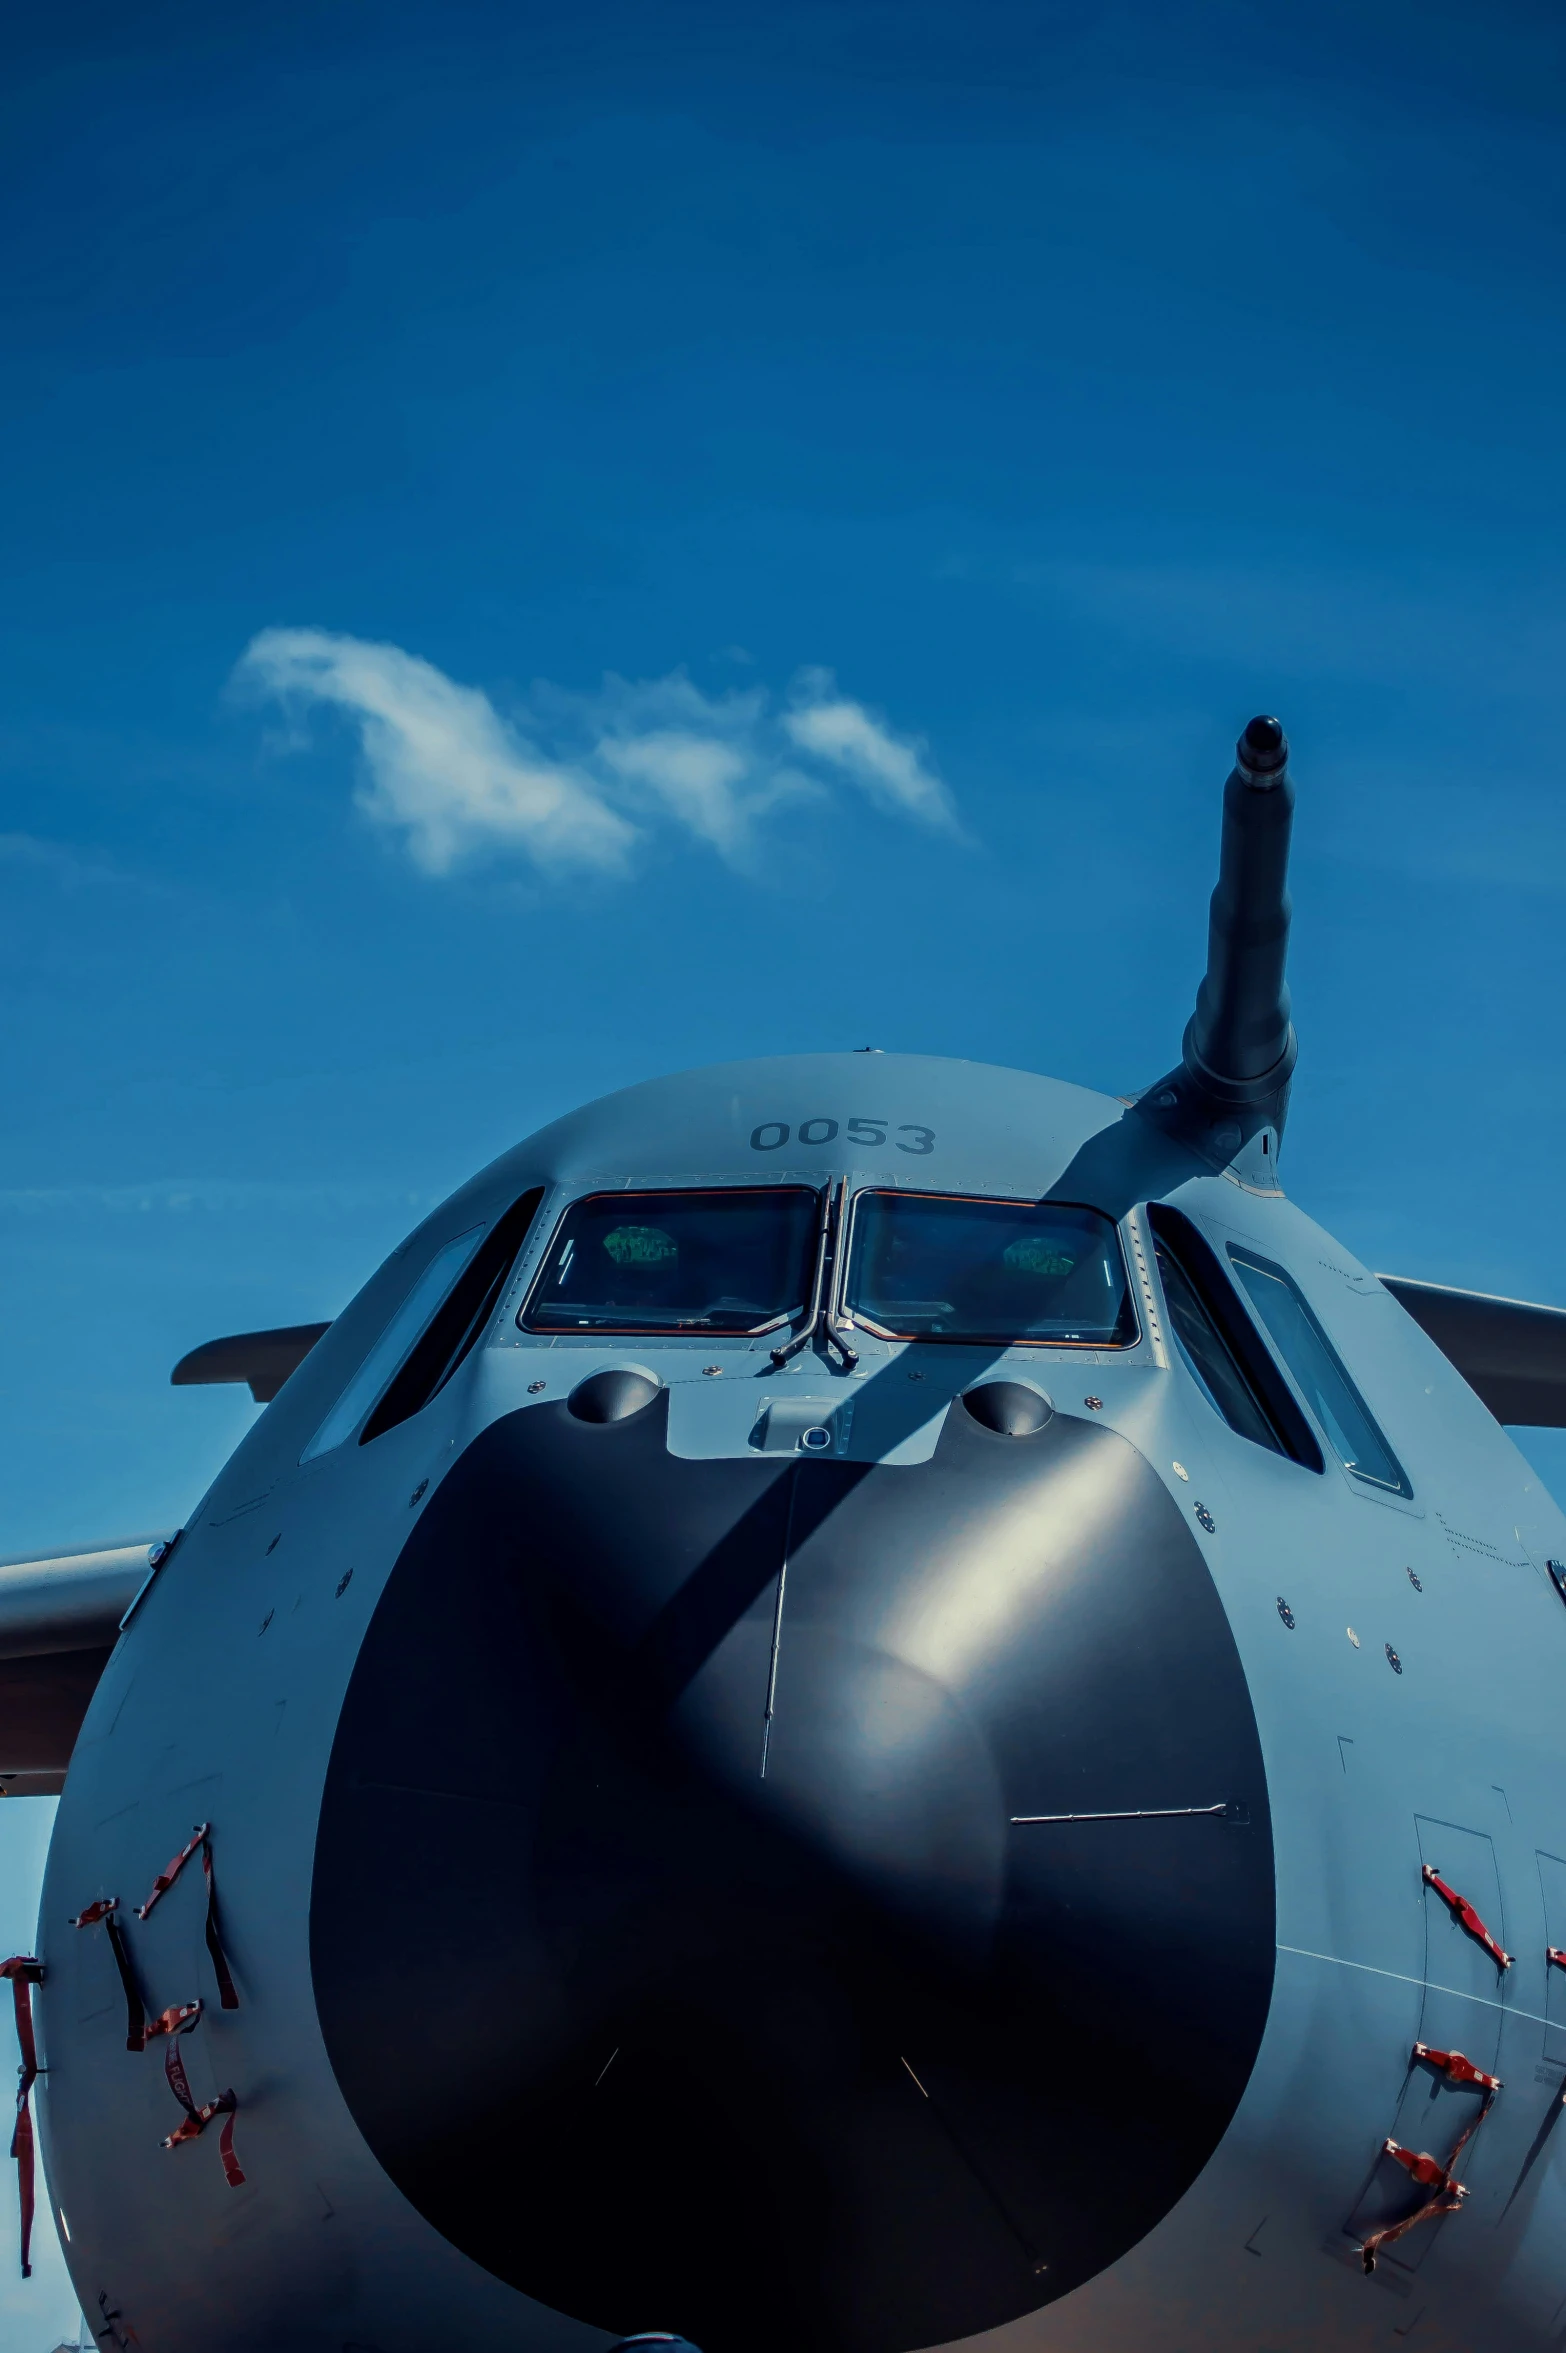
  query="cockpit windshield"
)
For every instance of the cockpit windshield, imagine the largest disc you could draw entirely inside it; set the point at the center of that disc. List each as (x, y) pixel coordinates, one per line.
(734, 1261)
(925, 1268)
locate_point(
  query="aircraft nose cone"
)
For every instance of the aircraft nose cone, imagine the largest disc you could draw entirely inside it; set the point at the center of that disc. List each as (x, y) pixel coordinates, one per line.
(835, 1938)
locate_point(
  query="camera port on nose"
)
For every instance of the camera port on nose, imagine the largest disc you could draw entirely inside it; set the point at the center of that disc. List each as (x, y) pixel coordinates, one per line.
(800, 1425)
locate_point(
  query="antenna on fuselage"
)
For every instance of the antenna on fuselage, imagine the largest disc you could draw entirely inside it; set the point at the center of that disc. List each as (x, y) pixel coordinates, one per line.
(1239, 1051)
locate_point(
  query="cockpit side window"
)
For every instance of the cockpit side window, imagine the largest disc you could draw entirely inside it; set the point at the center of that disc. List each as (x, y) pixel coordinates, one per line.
(458, 1322)
(1319, 1373)
(1220, 1346)
(431, 1331)
(394, 1342)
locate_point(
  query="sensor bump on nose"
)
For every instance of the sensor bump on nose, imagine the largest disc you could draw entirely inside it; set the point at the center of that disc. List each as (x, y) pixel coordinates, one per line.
(612, 1395)
(1009, 1408)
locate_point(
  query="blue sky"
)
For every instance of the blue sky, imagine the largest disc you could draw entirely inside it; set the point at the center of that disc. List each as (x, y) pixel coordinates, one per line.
(542, 546)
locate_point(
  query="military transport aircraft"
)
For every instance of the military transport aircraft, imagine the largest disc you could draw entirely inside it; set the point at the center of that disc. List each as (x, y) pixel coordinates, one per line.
(860, 1703)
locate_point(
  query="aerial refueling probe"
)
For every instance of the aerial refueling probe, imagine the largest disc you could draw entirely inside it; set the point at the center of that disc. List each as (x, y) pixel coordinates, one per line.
(1239, 1050)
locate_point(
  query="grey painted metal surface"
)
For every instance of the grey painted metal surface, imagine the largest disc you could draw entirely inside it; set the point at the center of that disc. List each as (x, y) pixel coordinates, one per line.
(223, 1699)
(1400, 1655)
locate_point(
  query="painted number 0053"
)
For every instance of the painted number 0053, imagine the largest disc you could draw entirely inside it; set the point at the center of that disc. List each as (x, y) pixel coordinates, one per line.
(773, 1134)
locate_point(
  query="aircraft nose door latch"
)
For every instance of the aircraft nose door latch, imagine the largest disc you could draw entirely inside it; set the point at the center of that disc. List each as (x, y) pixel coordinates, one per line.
(180, 2017)
(135, 2008)
(1456, 2068)
(200, 1837)
(25, 1972)
(1446, 2192)
(1466, 1917)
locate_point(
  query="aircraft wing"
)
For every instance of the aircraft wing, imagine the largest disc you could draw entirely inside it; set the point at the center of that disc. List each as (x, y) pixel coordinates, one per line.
(59, 1620)
(60, 1614)
(1509, 1350)
(264, 1359)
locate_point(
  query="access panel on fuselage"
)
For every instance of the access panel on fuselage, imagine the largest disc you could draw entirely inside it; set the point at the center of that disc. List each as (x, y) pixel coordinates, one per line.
(1552, 1888)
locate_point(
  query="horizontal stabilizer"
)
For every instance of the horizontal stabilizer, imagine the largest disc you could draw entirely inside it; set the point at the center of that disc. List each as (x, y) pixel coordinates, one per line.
(264, 1359)
(1512, 1352)
(59, 1620)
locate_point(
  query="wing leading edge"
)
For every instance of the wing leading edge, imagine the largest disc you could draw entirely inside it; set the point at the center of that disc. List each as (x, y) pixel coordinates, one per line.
(59, 1620)
(264, 1359)
(1510, 1351)
(60, 1613)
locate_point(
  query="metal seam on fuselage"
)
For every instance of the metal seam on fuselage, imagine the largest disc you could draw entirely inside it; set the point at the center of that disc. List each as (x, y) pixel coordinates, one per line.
(777, 1626)
(1428, 1985)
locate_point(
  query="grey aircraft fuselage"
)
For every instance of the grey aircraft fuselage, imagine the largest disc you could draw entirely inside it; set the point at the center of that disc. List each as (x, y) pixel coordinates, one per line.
(428, 1986)
(784, 1854)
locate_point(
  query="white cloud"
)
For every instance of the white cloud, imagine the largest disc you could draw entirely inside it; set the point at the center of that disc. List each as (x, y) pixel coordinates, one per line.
(892, 769)
(693, 775)
(715, 763)
(578, 778)
(442, 764)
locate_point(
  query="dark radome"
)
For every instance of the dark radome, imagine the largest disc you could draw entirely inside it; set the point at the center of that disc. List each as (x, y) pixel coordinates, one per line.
(840, 2055)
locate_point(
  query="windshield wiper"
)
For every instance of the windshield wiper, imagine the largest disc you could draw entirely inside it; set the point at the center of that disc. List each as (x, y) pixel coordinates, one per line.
(649, 1319)
(819, 1319)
